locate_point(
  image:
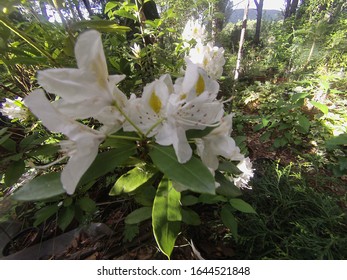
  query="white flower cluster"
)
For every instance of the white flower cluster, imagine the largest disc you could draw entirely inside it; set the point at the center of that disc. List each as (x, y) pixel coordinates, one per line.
(14, 109)
(164, 112)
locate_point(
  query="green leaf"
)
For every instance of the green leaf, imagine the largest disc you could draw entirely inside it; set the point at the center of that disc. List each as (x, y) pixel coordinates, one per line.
(31, 141)
(41, 187)
(198, 133)
(9, 144)
(242, 205)
(44, 150)
(14, 172)
(189, 200)
(125, 14)
(130, 232)
(106, 162)
(265, 136)
(190, 217)
(194, 175)
(3, 130)
(298, 96)
(86, 204)
(139, 215)
(280, 142)
(164, 206)
(44, 213)
(65, 217)
(304, 123)
(146, 196)
(337, 141)
(226, 187)
(324, 108)
(211, 199)
(229, 167)
(110, 5)
(229, 220)
(4, 138)
(133, 179)
(100, 25)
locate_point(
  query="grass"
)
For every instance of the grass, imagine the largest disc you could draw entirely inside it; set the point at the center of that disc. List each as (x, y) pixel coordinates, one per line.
(294, 221)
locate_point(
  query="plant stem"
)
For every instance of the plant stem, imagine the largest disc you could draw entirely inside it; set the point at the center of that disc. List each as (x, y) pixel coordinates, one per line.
(26, 39)
(124, 137)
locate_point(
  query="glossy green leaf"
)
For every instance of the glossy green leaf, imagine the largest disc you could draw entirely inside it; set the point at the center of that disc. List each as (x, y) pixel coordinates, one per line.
(41, 187)
(65, 217)
(106, 162)
(139, 215)
(194, 175)
(14, 172)
(133, 179)
(189, 200)
(165, 207)
(242, 205)
(229, 220)
(226, 187)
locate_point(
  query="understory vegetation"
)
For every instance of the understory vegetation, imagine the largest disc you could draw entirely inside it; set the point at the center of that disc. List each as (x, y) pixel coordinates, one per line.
(289, 123)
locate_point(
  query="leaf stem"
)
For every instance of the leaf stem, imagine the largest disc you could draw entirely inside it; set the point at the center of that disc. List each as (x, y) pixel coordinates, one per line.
(139, 131)
(26, 39)
(124, 137)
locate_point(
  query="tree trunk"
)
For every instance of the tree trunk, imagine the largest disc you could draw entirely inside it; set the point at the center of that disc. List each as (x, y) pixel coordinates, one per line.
(44, 10)
(291, 7)
(294, 7)
(287, 10)
(259, 6)
(78, 9)
(88, 7)
(242, 40)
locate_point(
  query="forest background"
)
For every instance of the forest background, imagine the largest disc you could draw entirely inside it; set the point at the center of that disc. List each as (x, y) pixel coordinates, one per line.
(286, 83)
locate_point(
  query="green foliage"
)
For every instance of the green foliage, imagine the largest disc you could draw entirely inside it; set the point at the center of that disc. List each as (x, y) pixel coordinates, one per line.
(292, 86)
(192, 175)
(294, 221)
(166, 216)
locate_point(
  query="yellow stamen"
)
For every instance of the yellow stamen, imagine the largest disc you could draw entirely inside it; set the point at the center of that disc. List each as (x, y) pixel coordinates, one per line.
(200, 85)
(155, 102)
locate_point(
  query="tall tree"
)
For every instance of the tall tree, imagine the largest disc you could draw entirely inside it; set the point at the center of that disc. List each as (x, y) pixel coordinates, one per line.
(242, 40)
(259, 4)
(291, 8)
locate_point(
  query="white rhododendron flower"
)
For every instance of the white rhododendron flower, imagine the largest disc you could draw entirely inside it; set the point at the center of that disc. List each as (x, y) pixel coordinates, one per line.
(14, 109)
(194, 30)
(167, 111)
(208, 57)
(218, 143)
(82, 146)
(147, 111)
(87, 91)
(136, 50)
(245, 166)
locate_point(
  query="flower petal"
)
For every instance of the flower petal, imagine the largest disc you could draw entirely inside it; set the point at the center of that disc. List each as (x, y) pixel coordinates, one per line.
(90, 54)
(86, 151)
(72, 84)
